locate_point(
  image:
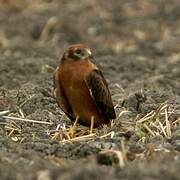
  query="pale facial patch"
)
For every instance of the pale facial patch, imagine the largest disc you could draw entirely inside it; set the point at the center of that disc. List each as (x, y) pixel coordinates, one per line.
(89, 51)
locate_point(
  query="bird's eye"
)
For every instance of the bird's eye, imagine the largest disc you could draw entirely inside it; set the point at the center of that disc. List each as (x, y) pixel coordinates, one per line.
(78, 51)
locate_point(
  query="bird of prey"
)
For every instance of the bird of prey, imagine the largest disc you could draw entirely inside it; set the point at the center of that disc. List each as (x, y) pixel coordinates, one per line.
(81, 90)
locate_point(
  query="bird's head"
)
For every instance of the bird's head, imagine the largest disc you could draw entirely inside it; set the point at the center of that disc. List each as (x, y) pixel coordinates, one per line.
(77, 52)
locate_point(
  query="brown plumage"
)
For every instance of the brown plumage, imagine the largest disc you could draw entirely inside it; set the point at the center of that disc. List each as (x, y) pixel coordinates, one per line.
(80, 88)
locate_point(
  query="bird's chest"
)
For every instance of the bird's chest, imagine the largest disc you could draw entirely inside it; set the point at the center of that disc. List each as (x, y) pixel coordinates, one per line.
(74, 82)
(76, 87)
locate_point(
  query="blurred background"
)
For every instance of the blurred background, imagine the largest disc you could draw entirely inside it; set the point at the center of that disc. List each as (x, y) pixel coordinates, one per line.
(118, 26)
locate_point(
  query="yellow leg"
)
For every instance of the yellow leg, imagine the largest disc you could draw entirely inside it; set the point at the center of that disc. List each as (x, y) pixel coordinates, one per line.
(75, 122)
(72, 129)
(92, 124)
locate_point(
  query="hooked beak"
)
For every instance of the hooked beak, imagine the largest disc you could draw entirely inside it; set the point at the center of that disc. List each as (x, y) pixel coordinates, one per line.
(89, 54)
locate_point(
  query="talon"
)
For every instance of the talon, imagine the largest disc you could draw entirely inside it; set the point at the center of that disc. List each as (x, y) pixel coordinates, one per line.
(72, 129)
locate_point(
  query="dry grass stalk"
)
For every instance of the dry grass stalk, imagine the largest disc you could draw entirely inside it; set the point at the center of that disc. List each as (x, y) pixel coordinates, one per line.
(162, 128)
(11, 132)
(61, 134)
(146, 117)
(108, 134)
(21, 113)
(22, 140)
(80, 138)
(176, 122)
(27, 120)
(155, 124)
(122, 112)
(148, 129)
(11, 128)
(153, 114)
(168, 125)
(4, 112)
(4, 123)
(68, 139)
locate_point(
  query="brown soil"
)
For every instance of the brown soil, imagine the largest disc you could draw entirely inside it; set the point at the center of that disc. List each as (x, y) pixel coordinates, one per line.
(137, 46)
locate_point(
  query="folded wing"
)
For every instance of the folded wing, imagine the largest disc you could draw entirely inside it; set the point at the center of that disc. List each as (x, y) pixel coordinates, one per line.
(99, 91)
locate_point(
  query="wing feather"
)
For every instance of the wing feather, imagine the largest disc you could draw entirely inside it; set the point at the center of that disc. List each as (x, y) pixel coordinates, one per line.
(99, 91)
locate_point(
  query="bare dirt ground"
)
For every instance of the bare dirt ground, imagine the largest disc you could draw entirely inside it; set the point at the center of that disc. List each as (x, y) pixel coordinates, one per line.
(137, 46)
